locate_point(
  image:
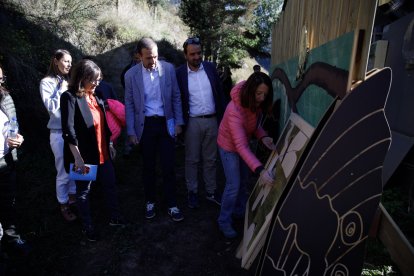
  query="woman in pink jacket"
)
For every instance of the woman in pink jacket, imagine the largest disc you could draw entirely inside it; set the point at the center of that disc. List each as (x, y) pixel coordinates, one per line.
(248, 100)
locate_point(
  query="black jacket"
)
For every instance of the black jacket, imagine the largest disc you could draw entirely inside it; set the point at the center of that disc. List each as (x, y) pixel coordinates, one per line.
(78, 129)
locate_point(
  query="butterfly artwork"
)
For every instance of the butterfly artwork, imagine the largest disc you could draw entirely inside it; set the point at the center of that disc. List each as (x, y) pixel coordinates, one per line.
(324, 219)
(306, 103)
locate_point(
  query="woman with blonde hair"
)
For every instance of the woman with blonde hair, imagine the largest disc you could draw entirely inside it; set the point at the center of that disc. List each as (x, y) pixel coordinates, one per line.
(51, 88)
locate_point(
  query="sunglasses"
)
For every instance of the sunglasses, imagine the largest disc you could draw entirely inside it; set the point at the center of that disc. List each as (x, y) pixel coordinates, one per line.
(3, 79)
(191, 40)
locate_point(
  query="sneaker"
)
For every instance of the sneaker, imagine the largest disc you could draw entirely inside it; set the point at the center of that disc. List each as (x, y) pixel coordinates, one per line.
(228, 231)
(91, 234)
(175, 214)
(14, 244)
(216, 198)
(149, 211)
(118, 222)
(193, 200)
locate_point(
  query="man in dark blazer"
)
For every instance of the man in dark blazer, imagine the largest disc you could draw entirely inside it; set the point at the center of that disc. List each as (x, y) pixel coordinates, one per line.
(203, 108)
(154, 118)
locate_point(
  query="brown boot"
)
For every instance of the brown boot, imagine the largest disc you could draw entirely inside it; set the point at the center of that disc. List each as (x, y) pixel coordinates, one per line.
(67, 213)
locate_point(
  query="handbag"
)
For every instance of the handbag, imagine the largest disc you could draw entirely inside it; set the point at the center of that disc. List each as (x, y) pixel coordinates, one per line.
(90, 174)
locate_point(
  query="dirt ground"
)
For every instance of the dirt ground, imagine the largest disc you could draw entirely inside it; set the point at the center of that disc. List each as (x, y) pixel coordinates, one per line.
(144, 247)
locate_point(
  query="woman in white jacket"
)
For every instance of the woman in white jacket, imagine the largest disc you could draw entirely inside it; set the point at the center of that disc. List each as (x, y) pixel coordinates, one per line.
(51, 88)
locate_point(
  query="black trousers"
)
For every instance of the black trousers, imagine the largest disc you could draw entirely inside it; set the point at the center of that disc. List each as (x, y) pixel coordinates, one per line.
(156, 140)
(7, 195)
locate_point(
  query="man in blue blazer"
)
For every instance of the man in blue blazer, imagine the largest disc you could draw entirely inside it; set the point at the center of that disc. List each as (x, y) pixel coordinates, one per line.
(203, 108)
(153, 119)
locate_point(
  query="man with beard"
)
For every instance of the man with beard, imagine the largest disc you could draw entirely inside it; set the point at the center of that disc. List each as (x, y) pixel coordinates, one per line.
(154, 119)
(203, 105)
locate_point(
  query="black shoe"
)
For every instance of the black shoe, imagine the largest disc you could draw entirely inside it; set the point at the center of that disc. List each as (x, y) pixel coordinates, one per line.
(215, 197)
(150, 210)
(193, 200)
(91, 234)
(118, 222)
(175, 214)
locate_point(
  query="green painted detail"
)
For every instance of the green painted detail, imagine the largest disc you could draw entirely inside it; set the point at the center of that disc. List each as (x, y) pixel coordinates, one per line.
(314, 102)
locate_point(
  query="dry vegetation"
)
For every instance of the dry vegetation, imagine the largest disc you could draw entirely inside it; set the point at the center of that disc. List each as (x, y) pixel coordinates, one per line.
(99, 25)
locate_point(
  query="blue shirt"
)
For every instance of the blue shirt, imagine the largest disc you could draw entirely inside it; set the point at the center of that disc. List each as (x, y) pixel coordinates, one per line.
(153, 103)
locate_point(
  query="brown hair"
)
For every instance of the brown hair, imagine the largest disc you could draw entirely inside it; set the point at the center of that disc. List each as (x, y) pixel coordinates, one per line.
(84, 70)
(146, 43)
(248, 92)
(53, 70)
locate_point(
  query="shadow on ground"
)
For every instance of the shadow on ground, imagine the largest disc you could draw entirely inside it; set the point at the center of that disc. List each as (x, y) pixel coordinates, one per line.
(156, 247)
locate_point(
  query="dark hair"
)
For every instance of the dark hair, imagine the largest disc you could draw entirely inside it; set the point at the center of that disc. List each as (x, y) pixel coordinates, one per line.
(53, 70)
(257, 68)
(3, 90)
(145, 42)
(192, 41)
(85, 69)
(248, 92)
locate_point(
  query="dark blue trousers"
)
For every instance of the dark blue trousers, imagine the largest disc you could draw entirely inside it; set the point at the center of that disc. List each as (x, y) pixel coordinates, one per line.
(155, 139)
(106, 176)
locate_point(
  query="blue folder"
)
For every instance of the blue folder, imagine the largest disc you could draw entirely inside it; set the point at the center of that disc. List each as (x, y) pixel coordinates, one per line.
(77, 175)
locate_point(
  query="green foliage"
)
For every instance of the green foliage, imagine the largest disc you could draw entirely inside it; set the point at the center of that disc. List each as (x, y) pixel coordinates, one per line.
(221, 26)
(377, 271)
(233, 47)
(266, 14)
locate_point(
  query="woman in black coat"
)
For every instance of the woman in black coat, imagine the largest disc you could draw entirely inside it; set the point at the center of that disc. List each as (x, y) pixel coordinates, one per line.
(86, 135)
(8, 159)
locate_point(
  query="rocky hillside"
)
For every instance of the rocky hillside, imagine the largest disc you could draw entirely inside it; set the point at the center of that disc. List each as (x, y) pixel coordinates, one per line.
(29, 34)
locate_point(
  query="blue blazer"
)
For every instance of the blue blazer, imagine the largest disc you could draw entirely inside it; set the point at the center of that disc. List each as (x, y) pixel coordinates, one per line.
(134, 97)
(211, 71)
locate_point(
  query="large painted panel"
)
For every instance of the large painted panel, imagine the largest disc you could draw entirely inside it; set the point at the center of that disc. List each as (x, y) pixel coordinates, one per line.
(323, 222)
(303, 104)
(263, 199)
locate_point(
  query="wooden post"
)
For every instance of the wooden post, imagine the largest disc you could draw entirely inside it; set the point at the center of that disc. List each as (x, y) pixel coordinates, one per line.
(400, 249)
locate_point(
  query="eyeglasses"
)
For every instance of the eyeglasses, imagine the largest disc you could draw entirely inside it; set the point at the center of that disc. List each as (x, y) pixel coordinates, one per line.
(191, 40)
(3, 79)
(95, 82)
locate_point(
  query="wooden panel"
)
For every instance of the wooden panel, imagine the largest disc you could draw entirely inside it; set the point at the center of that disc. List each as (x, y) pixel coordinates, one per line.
(325, 20)
(402, 253)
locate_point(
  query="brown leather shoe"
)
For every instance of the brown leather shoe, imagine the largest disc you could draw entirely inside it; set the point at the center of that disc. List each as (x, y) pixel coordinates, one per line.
(67, 213)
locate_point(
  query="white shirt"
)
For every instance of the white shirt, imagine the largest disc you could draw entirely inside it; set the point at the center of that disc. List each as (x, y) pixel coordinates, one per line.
(200, 98)
(4, 122)
(152, 93)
